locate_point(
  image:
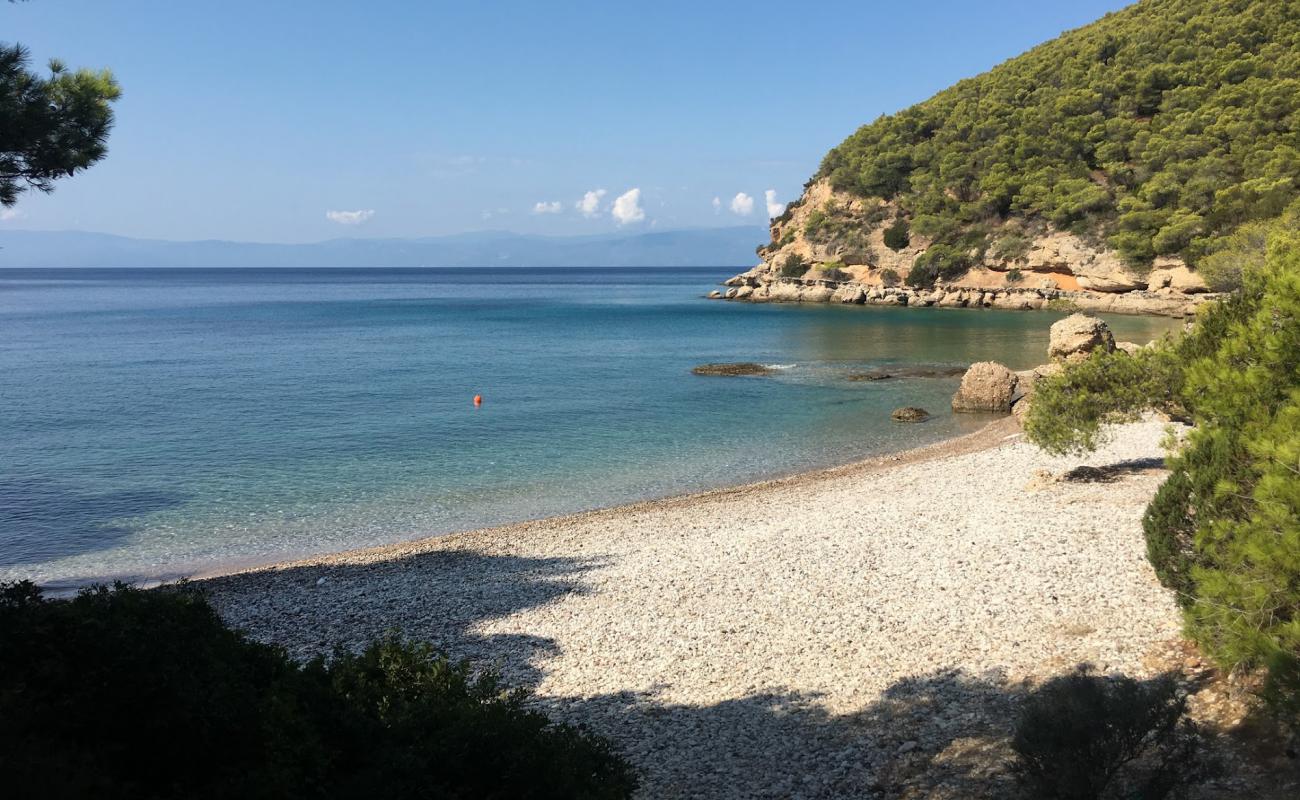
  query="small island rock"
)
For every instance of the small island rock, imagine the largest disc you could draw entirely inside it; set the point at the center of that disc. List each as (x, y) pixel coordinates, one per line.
(729, 370)
(1077, 336)
(910, 414)
(986, 386)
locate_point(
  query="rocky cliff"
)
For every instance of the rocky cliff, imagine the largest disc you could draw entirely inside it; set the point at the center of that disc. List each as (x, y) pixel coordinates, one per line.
(831, 246)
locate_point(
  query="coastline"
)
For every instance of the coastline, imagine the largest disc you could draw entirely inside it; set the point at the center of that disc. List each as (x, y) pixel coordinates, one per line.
(995, 432)
(835, 626)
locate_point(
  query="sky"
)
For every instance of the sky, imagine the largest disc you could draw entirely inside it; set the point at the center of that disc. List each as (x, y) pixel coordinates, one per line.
(279, 121)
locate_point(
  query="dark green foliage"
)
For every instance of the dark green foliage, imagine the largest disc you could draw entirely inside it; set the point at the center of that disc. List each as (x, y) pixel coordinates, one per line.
(1084, 737)
(940, 261)
(834, 271)
(1070, 409)
(1169, 529)
(1011, 247)
(890, 277)
(814, 223)
(1224, 531)
(1015, 276)
(794, 266)
(898, 235)
(125, 693)
(1163, 127)
(922, 275)
(50, 126)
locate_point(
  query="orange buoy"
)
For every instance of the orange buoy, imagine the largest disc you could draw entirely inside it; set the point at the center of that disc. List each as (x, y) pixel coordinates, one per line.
(478, 399)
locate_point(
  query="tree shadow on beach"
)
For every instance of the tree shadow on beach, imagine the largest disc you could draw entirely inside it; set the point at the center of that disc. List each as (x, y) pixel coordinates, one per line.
(930, 736)
(942, 735)
(438, 597)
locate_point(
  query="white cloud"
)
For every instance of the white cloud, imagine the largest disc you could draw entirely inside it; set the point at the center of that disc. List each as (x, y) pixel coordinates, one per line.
(742, 204)
(774, 209)
(543, 207)
(7, 214)
(627, 208)
(589, 205)
(717, 204)
(350, 217)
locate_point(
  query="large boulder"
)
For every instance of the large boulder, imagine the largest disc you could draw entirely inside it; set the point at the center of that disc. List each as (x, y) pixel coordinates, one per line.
(986, 386)
(1077, 336)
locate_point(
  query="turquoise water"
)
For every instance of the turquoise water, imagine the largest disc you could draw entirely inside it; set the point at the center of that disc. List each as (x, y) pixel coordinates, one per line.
(158, 422)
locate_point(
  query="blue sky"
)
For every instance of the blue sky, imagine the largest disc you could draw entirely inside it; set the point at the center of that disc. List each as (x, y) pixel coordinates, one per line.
(287, 122)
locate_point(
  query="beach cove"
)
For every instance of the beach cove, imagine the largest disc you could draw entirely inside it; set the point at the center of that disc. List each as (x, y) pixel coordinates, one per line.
(838, 633)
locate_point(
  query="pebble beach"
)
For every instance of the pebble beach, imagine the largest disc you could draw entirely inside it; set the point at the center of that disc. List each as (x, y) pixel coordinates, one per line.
(865, 630)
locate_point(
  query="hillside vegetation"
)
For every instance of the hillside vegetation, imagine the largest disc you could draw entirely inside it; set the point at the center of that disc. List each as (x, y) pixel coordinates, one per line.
(1161, 129)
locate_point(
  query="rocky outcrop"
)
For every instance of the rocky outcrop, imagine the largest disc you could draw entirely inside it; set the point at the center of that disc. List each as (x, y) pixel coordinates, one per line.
(986, 386)
(757, 287)
(1077, 336)
(837, 243)
(739, 369)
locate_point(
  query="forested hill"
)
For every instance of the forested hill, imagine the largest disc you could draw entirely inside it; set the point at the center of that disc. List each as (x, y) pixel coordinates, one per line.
(1158, 130)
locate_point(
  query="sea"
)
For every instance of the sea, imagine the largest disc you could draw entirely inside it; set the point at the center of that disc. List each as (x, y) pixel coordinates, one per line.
(161, 423)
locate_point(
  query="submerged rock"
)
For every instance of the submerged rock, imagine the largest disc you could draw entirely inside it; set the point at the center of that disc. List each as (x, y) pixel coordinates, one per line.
(917, 371)
(740, 368)
(986, 386)
(910, 414)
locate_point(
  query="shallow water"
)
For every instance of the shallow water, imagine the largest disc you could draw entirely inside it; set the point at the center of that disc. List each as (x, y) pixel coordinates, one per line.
(157, 422)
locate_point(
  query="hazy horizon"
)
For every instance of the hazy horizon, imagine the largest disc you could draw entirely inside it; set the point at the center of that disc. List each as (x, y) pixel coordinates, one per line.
(275, 124)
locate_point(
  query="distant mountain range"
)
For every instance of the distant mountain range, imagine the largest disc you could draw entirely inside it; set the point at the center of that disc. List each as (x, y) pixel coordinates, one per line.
(701, 247)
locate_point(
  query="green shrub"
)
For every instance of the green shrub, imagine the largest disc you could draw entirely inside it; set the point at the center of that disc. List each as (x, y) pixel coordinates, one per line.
(127, 693)
(1085, 737)
(1169, 530)
(794, 266)
(835, 271)
(898, 235)
(1224, 531)
(922, 275)
(1243, 251)
(1011, 247)
(1014, 276)
(944, 261)
(890, 277)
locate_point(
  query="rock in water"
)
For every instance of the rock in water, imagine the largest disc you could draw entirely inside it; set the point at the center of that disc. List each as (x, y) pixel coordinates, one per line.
(986, 386)
(1077, 336)
(741, 368)
(910, 414)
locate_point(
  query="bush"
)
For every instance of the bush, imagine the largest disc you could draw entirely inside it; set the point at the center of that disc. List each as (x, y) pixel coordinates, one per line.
(794, 266)
(1224, 531)
(922, 275)
(1011, 247)
(127, 693)
(944, 261)
(898, 235)
(1082, 737)
(834, 271)
(1015, 276)
(890, 277)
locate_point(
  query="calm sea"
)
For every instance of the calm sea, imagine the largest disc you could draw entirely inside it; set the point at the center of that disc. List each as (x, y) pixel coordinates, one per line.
(158, 422)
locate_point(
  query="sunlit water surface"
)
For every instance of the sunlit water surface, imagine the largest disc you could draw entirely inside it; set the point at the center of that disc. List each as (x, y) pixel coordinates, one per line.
(159, 422)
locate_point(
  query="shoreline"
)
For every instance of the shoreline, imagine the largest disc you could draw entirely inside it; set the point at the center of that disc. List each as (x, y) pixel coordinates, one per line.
(993, 433)
(857, 626)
